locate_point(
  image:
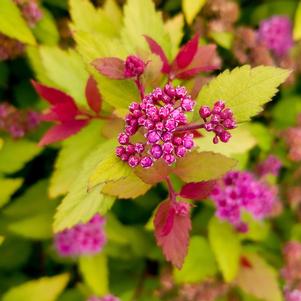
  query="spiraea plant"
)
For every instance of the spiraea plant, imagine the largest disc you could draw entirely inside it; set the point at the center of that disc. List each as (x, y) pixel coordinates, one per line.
(164, 159)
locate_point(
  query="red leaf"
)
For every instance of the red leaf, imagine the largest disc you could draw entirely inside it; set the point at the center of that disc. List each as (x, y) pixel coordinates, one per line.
(111, 67)
(205, 60)
(52, 95)
(198, 190)
(157, 49)
(92, 95)
(62, 131)
(61, 112)
(172, 226)
(186, 53)
(245, 262)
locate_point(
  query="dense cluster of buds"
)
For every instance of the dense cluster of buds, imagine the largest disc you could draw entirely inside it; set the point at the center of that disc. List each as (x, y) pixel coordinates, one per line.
(240, 191)
(276, 34)
(218, 120)
(133, 66)
(30, 10)
(157, 117)
(292, 271)
(82, 239)
(16, 122)
(105, 298)
(271, 165)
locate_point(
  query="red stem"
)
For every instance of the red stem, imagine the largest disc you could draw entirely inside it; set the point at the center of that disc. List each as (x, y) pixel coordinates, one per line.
(172, 192)
(140, 86)
(189, 127)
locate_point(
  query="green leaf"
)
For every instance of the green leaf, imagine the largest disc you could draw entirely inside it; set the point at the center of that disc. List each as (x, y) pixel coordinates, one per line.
(244, 89)
(1, 239)
(141, 18)
(110, 169)
(203, 166)
(297, 23)
(16, 153)
(69, 161)
(226, 247)
(12, 24)
(223, 39)
(192, 8)
(45, 30)
(80, 205)
(95, 273)
(31, 214)
(48, 287)
(94, 20)
(259, 280)
(262, 135)
(241, 141)
(66, 69)
(199, 262)
(8, 188)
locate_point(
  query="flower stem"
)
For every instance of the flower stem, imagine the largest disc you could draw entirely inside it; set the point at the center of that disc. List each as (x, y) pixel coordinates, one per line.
(140, 86)
(189, 127)
(172, 192)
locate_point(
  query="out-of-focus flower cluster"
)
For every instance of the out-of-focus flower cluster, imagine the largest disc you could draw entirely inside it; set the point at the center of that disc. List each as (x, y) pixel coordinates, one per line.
(105, 298)
(158, 117)
(11, 48)
(271, 165)
(291, 271)
(82, 239)
(241, 191)
(292, 136)
(17, 122)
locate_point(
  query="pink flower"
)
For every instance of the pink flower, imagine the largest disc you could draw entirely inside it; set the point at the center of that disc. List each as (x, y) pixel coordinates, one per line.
(134, 66)
(294, 295)
(271, 165)
(105, 298)
(276, 34)
(240, 191)
(158, 118)
(82, 239)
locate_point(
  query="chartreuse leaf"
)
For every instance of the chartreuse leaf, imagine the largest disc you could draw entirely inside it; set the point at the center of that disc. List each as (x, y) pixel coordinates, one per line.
(31, 214)
(95, 272)
(8, 188)
(262, 135)
(1, 143)
(297, 24)
(80, 205)
(141, 18)
(12, 24)
(199, 262)
(110, 169)
(71, 157)
(114, 13)
(66, 69)
(203, 166)
(259, 279)
(94, 20)
(16, 153)
(244, 89)
(174, 27)
(45, 30)
(226, 246)
(129, 187)
(48, 287)
(192, 8)
(241, 141)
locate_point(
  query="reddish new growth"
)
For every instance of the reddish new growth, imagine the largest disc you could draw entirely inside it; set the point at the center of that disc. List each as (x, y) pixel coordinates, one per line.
(218, 120)
(159, 118)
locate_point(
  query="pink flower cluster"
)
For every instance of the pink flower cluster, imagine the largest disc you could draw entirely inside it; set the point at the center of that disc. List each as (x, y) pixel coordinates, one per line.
(157, 117)
(221, 120)
(30, 10)
(17, 122)
(276, 34)
(10, 48)
(294, 295)
(239, 191)
(105, 298)
(82, 239)
(271, 165)
(133, 66)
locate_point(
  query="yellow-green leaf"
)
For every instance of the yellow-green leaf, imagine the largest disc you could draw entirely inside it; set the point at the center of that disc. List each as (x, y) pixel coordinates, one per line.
(244, 89)
(110, 169)
(80, 205)
(46, 288)
(16, 153)
(95, 273)
(204, 166)
(12, 23)
(297, 24)
(192, 8)
(8, 188)
(199, 262)
(226, 247)
(259, 280)
(1, 239)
